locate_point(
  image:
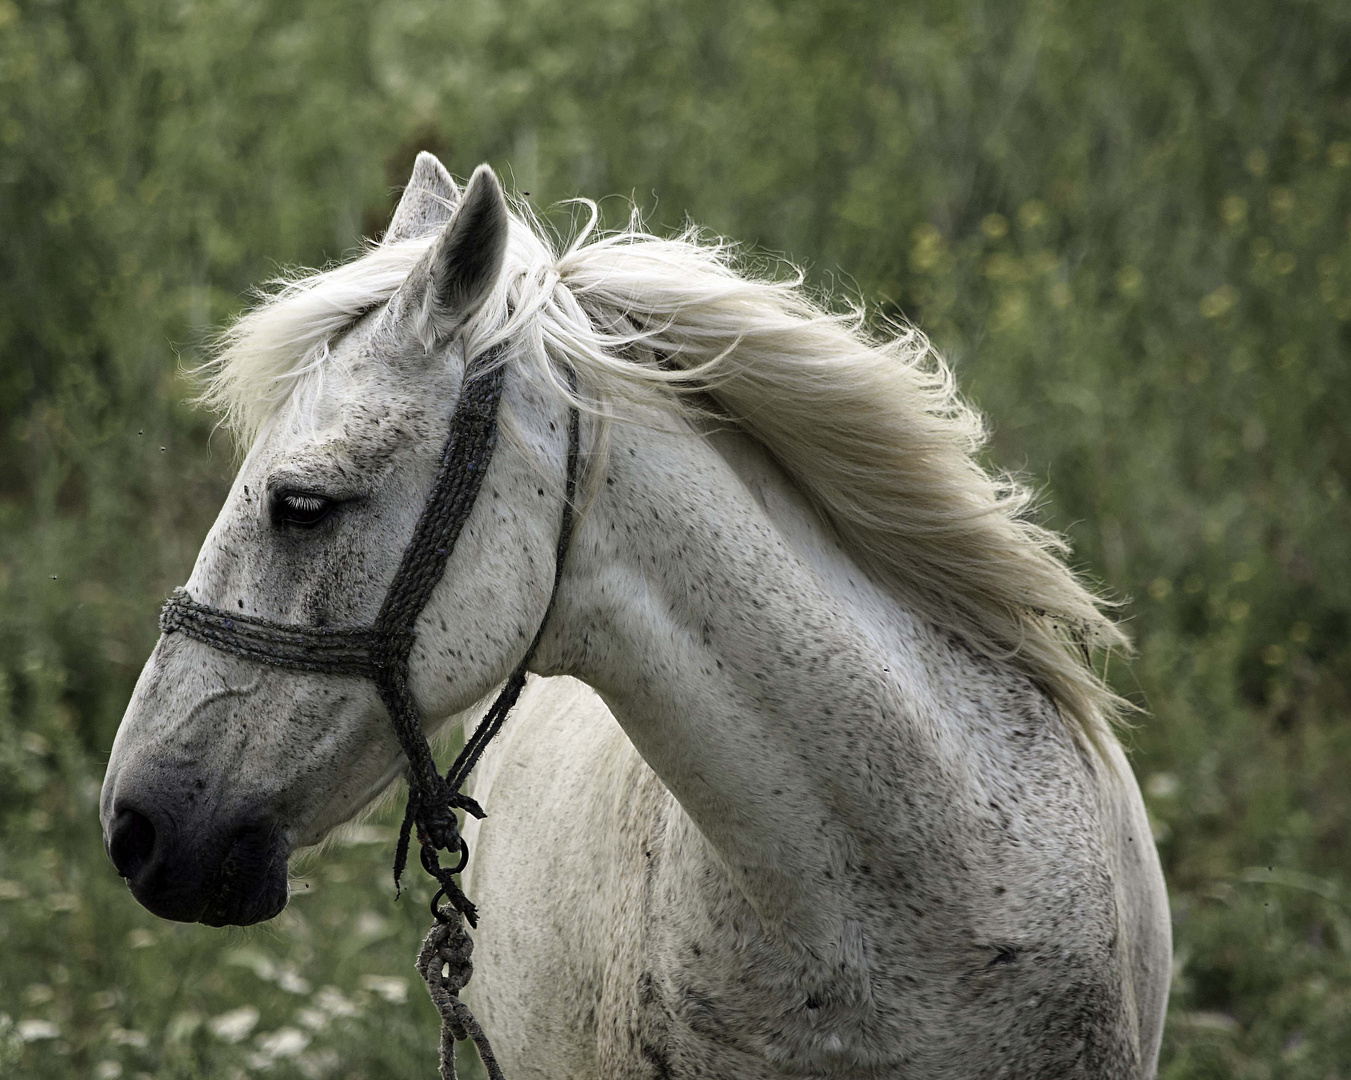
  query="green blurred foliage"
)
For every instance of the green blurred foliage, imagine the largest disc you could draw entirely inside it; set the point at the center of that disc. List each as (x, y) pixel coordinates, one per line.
(1129, 226)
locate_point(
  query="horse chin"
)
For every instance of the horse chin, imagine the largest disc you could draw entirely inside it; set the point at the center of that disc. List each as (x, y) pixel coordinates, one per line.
(233, 909)
(251, 884)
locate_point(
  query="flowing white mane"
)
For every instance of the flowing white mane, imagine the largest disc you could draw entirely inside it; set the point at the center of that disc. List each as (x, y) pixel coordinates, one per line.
(872, 430)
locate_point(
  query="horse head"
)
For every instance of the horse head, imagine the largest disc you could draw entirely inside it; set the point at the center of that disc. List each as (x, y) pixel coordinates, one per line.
(223, 765)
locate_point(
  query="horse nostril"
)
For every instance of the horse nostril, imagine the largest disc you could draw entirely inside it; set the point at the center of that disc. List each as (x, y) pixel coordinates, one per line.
(131, 842)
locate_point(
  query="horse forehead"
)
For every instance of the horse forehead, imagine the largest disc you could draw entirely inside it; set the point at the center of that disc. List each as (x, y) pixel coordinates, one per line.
(357, 420)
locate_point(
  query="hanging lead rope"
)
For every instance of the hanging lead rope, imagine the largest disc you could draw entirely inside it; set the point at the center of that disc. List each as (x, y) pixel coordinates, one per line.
(445, 966)
(381, 652)
(444, 962)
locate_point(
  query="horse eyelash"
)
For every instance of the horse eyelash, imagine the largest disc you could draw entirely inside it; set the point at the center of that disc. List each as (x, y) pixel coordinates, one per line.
(304, 502)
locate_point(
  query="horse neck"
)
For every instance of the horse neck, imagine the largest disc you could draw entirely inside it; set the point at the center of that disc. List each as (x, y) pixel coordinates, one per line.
(748, 659)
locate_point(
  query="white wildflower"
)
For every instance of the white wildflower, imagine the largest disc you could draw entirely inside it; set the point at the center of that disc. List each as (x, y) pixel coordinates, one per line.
(314, 1019)
(290, 981)
(234, 1026)
(37, 1030)
(333, 1002)
(390, 987)
(285, 1042)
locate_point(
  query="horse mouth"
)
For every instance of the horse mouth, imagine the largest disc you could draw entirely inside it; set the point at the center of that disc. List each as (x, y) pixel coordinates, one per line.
(247, 885)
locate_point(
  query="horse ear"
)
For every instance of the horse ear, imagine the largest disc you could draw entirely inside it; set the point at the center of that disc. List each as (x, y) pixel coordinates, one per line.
(466, 259)
(428, 201)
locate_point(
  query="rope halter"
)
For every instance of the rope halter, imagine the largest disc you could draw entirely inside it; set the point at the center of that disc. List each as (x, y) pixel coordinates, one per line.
(380, 652)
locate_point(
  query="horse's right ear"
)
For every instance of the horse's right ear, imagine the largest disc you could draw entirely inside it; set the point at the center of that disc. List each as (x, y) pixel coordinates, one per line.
(427, 204)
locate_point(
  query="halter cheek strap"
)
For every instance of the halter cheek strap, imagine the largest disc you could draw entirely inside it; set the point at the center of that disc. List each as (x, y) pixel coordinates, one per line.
(380, 652)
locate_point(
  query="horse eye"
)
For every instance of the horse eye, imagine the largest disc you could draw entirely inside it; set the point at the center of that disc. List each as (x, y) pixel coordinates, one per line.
(301, 508)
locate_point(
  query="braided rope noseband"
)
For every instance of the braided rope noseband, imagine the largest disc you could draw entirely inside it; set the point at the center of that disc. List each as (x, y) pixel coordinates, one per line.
(380, 652)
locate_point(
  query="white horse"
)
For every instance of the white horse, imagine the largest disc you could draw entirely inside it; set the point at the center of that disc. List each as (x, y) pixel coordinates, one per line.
(820, 782)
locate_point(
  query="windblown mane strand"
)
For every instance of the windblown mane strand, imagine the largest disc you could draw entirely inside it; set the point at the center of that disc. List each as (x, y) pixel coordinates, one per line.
(872, 430)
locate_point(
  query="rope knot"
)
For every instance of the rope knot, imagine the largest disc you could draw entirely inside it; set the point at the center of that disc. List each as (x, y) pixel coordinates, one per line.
(439, 822)
(444, 964)
(451, 949)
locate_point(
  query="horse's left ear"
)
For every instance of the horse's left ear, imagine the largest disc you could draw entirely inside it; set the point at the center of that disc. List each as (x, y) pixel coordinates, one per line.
(464, 264)
(427, 203)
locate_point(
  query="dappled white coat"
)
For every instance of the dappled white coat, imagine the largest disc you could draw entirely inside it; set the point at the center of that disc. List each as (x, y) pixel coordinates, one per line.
(819, 788)
(792, 831)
